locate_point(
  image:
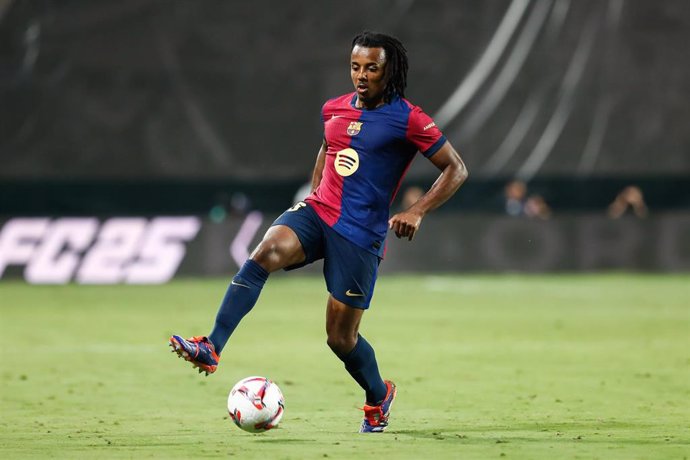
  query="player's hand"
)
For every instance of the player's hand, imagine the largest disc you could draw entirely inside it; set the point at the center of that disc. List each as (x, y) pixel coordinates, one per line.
(405, 224)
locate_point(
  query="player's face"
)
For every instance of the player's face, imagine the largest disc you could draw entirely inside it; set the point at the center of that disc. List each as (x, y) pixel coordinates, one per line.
(368, 72)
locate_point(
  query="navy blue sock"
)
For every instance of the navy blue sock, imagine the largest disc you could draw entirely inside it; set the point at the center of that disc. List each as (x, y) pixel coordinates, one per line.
(239, 299)
(360, 362)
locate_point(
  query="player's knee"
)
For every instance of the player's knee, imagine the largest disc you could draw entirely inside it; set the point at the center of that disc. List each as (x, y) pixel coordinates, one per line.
(341, 344)
(268, 254)
(279, 248)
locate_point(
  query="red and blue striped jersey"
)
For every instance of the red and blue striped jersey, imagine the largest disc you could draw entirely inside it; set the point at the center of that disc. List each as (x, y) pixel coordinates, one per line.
(369, 152)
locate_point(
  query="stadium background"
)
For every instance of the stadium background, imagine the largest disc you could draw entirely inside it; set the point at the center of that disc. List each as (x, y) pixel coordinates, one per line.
(145, 108)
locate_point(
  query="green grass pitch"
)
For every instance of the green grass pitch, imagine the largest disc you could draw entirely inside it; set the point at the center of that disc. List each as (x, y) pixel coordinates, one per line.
(557, 366)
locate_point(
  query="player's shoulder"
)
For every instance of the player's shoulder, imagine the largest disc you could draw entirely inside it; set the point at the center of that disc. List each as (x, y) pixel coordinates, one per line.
(418, 121)
(406, 109)
(413, 108)
(417, 114)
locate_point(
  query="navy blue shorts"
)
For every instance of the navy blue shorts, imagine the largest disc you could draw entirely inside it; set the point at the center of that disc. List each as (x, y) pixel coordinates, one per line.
(350, 271)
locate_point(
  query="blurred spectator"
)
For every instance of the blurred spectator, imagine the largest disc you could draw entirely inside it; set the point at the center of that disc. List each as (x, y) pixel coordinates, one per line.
(536, 207)
(237, 204)
(410, 196)
(515, 195)
(630, 197)
(302, 192)
(517, 203)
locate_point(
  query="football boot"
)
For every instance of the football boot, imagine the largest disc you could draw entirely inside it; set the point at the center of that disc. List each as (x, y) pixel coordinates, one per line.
(198, 350)
(376, 417)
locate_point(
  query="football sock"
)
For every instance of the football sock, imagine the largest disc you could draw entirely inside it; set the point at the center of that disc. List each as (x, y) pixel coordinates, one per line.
(239, 299)
(362, 366)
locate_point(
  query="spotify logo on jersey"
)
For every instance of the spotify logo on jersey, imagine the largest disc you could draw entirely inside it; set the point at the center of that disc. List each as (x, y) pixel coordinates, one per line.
(346, 162)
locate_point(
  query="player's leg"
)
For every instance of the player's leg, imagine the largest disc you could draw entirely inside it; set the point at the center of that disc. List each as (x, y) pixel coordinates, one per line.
(350, 273)
(279, 248)
(342, 325)
(294, 239)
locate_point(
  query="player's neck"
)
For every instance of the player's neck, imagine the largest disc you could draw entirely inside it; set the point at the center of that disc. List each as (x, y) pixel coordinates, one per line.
(369, 105)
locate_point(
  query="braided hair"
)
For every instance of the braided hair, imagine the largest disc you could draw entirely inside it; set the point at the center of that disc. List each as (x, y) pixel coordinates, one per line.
(396, 61)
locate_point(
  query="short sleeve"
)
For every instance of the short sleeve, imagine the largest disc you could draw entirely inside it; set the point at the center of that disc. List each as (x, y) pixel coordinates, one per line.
(423, 132)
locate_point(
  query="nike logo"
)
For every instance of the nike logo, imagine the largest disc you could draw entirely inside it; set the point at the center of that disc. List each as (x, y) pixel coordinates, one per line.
(239, 284)
(353, 294)
(335, 116)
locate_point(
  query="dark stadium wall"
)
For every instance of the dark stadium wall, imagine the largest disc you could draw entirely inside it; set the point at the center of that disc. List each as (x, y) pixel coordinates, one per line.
(138, 250)
(110, 197)
(142, 89)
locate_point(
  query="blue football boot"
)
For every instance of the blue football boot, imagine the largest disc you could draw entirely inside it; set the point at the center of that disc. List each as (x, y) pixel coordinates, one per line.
(198, 350)
(376, 417)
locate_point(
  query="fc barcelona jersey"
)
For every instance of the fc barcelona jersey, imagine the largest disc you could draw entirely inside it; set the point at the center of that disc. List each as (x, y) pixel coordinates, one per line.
(369, 152)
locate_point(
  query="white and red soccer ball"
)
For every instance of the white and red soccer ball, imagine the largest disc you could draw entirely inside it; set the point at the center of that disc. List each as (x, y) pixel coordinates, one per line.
(256, 404)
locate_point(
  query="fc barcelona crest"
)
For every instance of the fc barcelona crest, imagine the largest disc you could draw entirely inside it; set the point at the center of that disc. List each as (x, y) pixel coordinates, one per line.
(354, 128)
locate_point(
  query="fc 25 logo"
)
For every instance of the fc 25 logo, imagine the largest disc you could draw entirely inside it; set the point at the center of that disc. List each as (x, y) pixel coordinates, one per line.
(120, 250)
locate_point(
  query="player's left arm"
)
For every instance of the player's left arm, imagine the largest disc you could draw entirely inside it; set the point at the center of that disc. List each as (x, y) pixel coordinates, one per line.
(453, 174)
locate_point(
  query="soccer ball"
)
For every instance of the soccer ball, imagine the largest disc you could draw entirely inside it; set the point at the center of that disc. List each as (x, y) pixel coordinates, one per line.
(256, 404)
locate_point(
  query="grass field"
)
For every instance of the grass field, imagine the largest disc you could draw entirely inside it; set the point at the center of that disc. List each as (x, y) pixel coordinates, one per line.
(561, 366)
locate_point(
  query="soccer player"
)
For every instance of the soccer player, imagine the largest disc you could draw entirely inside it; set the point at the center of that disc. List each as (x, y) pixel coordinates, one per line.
(370, 138)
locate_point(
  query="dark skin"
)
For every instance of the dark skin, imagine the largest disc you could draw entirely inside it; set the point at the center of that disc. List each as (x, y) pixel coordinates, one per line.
(280, 246)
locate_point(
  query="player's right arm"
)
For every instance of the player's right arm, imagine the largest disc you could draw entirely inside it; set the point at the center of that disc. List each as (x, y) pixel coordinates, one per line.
(453, 174)
(318, 167)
